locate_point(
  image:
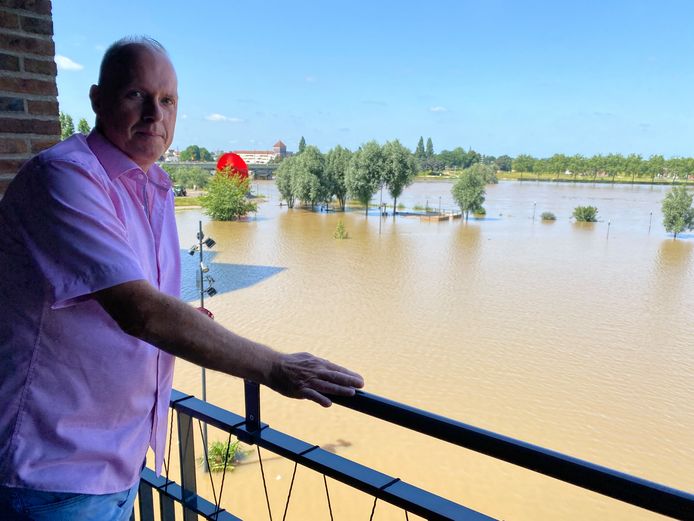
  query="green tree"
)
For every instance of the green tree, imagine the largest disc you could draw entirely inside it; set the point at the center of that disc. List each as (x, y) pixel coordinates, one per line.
(67, 126)
(468, 191)
(336, 164)
(524, 163)
(678, 214)
(399, 169)
(205, 155)
(226, 197)
(586, 214)
(191, 153)
(302, 145)
(486, 172)
(187, 176)
(83, 127)
(430, 149)
(284, 179)
(504, 163)
(364, 174)
(308, 182)
(420, 153)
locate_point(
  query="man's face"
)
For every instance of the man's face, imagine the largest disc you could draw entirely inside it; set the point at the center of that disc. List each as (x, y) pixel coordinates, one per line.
(136, 105)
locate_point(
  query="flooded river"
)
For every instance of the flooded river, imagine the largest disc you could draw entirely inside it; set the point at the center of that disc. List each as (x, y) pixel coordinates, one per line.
(558, 334)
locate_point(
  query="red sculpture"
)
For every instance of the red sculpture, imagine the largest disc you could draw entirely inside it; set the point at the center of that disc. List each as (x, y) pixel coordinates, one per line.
(235, 163)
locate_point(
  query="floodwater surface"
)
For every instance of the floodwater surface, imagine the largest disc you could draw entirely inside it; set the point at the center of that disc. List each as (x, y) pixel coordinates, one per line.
(574, 337)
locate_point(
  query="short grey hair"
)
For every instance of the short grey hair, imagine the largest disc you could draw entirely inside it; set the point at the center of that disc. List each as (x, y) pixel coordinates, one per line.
(119, 50)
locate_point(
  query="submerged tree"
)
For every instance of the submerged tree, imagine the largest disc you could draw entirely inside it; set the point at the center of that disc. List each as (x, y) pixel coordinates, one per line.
(399, 169)
(336, 165)
(308, 183)
(586, 214)
(364, 174)
(468, 191)
(284, 179)
(678, 214)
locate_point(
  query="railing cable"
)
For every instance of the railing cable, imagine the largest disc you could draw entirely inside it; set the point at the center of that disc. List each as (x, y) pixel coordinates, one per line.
(224, 473)
(373, 509)
(167, 461)
(262, 472)
(327, 494)
(289, 495)
(207, 465)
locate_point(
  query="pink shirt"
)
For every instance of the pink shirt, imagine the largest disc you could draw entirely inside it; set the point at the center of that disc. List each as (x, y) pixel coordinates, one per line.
(80, 399)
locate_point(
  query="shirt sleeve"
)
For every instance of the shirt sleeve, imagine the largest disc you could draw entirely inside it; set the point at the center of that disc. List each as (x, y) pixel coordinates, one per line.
(71, 230)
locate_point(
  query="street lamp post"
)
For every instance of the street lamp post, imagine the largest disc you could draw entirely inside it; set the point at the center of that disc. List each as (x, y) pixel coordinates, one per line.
(210, 291)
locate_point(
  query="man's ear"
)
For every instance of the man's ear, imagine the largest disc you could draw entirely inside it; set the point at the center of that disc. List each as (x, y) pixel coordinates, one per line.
(95, 98)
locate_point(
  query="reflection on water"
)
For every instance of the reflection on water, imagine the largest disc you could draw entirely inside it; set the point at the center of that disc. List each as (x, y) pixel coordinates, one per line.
(554, 334)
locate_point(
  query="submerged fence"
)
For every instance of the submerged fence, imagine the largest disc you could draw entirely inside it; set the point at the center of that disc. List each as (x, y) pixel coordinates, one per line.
(249, 429)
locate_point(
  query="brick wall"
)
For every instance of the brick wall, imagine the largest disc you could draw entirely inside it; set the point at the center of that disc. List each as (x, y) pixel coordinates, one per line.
(28, 93)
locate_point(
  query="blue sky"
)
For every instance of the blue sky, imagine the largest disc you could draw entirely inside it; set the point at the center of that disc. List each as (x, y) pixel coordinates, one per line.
(502, 77)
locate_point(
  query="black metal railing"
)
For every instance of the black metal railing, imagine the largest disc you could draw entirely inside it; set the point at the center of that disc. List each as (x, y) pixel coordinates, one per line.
(249, 429)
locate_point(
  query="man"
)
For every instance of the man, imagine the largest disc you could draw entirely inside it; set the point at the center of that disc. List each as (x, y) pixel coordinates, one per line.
(90, 322)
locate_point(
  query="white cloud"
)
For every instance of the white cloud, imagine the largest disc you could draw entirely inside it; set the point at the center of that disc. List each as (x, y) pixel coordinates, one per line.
(66, 64)
(100, 48)
(221, 117)
(310, 79)
(438, 109)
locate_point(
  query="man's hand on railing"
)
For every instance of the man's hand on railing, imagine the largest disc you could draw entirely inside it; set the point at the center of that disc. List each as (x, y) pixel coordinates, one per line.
(302, 375)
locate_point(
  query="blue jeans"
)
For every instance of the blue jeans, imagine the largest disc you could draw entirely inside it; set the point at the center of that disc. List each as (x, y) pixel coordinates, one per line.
(23, 504)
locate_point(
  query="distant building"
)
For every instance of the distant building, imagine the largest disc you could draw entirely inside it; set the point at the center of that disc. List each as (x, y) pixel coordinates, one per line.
(171, 156)
(263, 157)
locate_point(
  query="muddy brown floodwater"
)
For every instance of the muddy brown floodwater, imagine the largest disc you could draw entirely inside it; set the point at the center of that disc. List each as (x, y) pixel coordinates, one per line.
(553, 333)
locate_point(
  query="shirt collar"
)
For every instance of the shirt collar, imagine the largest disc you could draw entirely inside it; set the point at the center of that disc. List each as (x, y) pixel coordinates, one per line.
(116, 162)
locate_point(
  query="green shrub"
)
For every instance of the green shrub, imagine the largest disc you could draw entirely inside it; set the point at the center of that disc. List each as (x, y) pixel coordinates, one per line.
(586, 214)
(218, 452)
(479, 212)
(226, 198)
(548, 216)
(340, 232)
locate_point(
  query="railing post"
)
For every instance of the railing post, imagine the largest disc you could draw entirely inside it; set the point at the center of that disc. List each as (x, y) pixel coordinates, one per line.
(186, 449)
(146, 504)
(252, 395)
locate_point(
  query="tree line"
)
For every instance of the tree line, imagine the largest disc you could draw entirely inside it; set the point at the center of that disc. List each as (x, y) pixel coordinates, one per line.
(315, 178)
(610, 165)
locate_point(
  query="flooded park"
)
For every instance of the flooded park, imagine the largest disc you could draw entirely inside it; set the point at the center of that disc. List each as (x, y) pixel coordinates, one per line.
(574, 337)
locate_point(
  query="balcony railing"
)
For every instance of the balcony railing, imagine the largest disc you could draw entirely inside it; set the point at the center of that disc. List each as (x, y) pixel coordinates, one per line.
(249, 429)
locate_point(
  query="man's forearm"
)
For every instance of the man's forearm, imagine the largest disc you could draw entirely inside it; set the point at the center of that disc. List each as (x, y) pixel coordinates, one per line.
(181, 330)
(166, 322)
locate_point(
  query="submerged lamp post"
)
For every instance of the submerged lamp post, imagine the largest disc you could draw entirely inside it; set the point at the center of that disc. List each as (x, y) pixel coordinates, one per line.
(203, 269)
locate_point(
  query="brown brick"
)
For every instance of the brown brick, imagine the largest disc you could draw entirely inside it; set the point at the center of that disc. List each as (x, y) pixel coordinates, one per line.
(9, 62)
(28, 86)
(43, 108)
(37, 25)
(13, 146)
(8, 104)
(12, 42)
(47, 67)
(9, 20)
(35, 6)
(42, 144)
(11, 166)
(30, 126)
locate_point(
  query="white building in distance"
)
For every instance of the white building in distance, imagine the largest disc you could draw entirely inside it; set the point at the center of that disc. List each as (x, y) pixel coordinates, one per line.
(263, 157)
